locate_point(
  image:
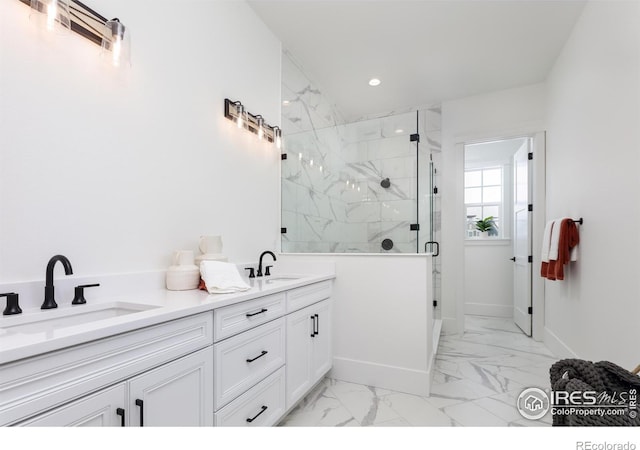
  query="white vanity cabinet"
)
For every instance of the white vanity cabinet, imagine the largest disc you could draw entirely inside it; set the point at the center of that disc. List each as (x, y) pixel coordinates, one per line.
(266, 349)
(174, 394)
(308, 349)
(168, 366)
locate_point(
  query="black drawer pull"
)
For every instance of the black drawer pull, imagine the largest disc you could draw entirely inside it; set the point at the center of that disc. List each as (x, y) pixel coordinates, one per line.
(264, 352)
(316, 331)
(140, 403)
(262, 311)
(263, 409)
(120, 412)
(313, 326)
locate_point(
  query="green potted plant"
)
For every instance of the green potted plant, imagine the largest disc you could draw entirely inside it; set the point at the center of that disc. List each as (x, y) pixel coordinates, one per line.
(487, 227)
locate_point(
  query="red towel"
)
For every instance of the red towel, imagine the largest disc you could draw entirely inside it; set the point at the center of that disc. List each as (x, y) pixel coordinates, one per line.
(569, 238)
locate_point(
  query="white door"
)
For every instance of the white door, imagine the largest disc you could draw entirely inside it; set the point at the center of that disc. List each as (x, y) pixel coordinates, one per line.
(300, 329)
(176, 394)
(522, 240)
(105, 408)
(321, 341)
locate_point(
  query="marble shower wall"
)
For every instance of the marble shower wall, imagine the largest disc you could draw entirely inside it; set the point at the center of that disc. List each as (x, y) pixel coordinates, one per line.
(332, 197)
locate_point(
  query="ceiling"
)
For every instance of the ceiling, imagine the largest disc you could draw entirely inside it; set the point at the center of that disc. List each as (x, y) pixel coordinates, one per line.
(424, 51)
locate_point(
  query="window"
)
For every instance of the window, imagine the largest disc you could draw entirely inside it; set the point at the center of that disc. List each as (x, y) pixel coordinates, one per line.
(483, 198)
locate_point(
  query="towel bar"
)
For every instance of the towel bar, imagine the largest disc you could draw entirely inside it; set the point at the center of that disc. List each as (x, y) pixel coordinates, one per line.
(580, 221)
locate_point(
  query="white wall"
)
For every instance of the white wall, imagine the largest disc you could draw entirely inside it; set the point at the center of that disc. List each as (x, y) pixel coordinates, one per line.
(382, 318)
(488, 278)
(118, 168)
(508, 113)
(593, 160)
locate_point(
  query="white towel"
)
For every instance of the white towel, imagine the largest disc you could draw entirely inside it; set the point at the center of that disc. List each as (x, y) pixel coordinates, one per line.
(222, 278)
(546, 241)
(555, 240)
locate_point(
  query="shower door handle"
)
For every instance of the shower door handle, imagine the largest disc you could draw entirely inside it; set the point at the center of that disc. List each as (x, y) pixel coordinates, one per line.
(437, 244)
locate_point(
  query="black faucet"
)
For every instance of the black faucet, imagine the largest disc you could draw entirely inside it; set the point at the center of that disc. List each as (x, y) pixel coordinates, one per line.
(49, 290)
(259, 274)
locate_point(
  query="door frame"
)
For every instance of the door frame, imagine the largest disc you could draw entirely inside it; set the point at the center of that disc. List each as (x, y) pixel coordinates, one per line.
(538, 220)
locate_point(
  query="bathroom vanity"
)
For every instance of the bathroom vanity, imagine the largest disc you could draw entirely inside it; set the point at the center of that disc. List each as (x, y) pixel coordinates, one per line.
(169, 358)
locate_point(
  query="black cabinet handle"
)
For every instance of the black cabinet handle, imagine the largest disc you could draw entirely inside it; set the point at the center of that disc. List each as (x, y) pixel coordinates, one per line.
(316, 330)
(264, 352)
(120, 412)
(140, 403)
(263, 409)
(313, 326)
(262, 311)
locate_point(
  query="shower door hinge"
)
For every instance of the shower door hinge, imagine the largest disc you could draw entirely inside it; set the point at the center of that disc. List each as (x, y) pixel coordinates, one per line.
(283, 230)
(414, 137)
(414, 227)
(283, 156)
(435, 189)
(530, 258)
(530, 207)
(530, 310)
(530, 156)
(435, 303)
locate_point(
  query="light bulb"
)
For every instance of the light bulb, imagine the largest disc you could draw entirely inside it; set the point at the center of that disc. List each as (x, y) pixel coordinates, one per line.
(240, 110)
(278, 138)
(260, 127)
(52, 13)
(117, 50)
(300, 156)
(311, 163)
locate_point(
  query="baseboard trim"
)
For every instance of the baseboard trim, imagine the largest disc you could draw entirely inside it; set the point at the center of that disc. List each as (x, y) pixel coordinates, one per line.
(395, 378)
(493, 310)
(555, 344)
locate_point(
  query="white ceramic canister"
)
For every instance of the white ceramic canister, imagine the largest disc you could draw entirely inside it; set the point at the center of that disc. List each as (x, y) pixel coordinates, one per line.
(183, 274)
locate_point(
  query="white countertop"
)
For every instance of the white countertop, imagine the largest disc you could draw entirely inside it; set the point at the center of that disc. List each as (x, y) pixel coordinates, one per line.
(171, 305)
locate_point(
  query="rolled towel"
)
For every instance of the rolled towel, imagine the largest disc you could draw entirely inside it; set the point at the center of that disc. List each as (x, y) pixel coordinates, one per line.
(222, 278)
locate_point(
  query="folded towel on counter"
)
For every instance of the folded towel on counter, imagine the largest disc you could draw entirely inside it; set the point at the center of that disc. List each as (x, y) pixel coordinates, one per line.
(222, 278)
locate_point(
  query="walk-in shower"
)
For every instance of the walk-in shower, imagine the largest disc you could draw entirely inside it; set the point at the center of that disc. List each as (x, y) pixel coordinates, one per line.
(362, 186)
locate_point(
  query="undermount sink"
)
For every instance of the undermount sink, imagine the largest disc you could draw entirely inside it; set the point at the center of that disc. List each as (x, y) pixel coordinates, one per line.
(281, 278)
(48, 320)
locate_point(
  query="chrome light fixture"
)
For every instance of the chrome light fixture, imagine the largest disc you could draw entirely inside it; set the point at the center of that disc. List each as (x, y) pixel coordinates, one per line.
(55, 12)
(81, 19)
(235, 111)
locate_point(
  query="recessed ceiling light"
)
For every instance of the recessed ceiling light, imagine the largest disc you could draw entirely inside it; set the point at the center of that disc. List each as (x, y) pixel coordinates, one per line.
(374, 82)
(285, 102)
(399, 130)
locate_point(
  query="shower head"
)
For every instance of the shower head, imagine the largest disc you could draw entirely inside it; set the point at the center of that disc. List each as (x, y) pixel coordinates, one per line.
(385, 183)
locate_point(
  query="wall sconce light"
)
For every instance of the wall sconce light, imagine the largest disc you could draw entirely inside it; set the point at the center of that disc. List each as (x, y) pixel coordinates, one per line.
(234, 111)
(78, 17)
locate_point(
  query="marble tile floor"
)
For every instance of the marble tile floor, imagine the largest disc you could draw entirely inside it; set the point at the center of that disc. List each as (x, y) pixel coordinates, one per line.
(478, 377)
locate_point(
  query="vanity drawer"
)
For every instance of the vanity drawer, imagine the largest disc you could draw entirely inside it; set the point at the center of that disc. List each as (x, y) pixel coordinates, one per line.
(307, 295)
(234, 319)
(261, 406)
(245, 359)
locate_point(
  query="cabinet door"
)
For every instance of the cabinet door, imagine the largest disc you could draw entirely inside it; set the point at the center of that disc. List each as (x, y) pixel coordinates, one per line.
(298, 367)
(321, 342)
(176, 394)
(102, 409)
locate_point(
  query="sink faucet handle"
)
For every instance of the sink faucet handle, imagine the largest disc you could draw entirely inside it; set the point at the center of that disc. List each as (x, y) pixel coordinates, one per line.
(252, 273)
(266, 271)
(12, 304)
(78, 298)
